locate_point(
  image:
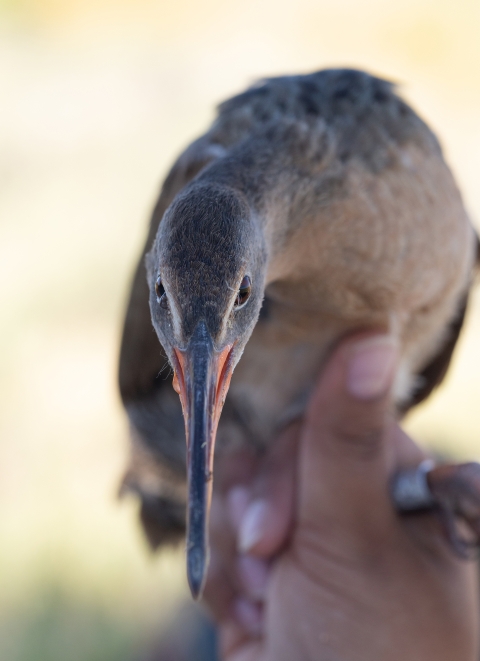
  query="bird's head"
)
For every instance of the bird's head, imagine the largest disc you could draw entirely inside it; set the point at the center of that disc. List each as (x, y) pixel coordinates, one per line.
(206, 274)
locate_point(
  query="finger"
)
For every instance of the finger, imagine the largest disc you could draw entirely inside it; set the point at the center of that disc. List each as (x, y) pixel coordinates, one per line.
(265, 522)
(347, 440)
(236, 645)
(253, 575)
(238, 500)
(221, 586)
(407, 453)
(234, 472)
(249, 615)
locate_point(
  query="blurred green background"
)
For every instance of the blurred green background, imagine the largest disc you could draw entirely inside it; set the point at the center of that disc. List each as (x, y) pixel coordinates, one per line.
(97, 97)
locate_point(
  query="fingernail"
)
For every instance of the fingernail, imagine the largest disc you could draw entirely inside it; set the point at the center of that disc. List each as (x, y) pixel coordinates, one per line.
(371, 366)
(237, 502)
(252, 526)
(254, 575)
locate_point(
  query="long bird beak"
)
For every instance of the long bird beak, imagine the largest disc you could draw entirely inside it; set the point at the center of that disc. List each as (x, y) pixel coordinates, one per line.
(202, 377)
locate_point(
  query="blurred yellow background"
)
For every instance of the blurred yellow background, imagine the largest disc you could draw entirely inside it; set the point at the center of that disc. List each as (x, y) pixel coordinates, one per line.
(97, 97)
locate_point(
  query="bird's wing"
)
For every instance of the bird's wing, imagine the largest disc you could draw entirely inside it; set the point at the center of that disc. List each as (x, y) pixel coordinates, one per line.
(433, 374)
(157, 462)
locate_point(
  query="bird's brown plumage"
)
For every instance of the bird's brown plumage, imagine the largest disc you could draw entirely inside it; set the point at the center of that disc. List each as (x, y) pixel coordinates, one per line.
(365, 227)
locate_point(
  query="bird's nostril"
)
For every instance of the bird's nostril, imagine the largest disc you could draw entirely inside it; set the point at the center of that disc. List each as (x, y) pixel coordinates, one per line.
(244, 292)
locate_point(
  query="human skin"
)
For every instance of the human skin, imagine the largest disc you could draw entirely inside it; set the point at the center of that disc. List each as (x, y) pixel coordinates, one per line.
(310, 561)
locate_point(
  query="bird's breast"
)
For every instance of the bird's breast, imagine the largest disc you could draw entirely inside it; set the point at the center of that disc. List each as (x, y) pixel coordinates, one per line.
(393, 252)
(397, 238)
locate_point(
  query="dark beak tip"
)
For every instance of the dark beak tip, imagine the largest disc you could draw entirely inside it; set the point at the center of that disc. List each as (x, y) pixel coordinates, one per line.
(196, 571)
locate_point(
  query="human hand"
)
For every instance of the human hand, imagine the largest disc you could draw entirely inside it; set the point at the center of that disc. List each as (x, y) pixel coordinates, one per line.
(328, 570)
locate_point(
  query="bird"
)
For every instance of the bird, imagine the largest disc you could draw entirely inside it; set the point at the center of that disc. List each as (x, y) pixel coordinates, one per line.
(315, 205)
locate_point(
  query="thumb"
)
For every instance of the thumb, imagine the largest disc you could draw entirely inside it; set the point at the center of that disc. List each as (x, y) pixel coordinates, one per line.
(346, 449)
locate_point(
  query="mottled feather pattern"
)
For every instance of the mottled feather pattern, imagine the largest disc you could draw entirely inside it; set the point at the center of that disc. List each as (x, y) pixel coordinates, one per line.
(358, 210)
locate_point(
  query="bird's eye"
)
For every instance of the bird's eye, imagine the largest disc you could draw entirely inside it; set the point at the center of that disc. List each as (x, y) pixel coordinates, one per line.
(160, 292)
(244, 292)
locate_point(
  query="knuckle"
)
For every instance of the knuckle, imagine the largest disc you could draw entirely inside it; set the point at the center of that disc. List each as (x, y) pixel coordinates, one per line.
(364, 440)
